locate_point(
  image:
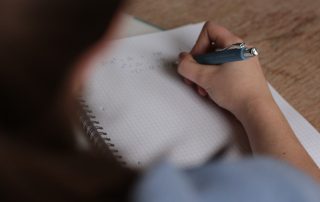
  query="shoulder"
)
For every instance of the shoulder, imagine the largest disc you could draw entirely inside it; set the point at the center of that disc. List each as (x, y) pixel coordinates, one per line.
(247, 180)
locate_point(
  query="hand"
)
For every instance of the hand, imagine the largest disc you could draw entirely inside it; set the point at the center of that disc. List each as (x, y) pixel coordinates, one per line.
(241, 88)
(233, 85)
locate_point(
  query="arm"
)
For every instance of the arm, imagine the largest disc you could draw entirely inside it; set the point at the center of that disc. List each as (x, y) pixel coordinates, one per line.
(270, 134)
(241, 88)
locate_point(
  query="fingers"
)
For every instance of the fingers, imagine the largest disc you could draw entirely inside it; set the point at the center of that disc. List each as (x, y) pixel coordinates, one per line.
(213, 33)
(194, 72)
(201, 91)
(187, 81)
(190, 69)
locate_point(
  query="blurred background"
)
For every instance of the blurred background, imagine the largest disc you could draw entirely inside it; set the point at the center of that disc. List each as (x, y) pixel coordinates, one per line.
(287, 33)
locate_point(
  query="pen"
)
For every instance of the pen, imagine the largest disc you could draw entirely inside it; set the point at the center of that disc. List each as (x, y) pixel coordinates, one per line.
(235, 52)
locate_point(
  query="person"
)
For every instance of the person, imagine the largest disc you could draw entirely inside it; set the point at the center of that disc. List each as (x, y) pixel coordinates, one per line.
(45, 48)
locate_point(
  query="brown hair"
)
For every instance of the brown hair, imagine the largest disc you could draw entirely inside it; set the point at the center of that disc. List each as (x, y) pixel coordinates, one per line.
(39, 42)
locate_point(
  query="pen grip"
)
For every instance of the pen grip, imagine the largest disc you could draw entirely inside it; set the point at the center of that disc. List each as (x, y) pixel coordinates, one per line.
(220, 57)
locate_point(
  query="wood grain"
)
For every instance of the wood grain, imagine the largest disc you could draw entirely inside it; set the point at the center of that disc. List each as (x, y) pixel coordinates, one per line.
(287, 34)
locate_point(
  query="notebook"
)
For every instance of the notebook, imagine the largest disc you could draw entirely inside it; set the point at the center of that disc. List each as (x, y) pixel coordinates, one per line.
(132, 26)
(137, 105)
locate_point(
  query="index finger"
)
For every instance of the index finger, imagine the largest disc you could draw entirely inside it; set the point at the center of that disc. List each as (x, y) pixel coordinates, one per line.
(214, 33)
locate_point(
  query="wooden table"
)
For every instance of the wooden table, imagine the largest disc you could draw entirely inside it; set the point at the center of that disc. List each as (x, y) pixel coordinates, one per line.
(287, 34)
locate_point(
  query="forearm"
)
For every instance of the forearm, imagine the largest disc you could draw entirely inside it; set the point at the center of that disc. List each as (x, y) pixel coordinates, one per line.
(231, 85)
(270, 134)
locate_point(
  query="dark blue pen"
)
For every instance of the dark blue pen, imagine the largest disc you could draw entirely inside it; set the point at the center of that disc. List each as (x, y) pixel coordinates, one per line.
(235, 52)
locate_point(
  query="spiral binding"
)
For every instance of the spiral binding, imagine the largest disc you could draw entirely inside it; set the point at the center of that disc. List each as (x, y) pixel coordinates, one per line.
(95, 131)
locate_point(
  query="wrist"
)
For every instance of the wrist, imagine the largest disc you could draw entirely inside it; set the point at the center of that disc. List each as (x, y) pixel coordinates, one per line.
(254, 107)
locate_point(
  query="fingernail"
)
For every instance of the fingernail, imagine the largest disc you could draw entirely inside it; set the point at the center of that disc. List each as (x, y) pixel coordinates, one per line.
(181, 55)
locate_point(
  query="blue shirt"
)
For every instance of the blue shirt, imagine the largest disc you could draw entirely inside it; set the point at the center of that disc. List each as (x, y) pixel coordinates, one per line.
(246, 180)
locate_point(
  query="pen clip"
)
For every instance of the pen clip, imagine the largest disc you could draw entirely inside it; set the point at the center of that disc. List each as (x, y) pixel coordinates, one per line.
(248, 52)
(233, 46)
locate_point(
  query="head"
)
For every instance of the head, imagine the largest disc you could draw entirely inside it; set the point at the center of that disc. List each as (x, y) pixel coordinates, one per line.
(43, 45)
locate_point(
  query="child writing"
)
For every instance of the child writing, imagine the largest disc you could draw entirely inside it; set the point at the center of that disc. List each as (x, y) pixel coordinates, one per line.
(45, 46)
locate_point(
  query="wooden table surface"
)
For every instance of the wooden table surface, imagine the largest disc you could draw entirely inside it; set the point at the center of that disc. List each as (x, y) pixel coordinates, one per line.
(287, 34)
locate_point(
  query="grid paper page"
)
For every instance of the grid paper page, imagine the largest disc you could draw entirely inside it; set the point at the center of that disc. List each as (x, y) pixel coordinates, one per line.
(150, 114)
(147, 110)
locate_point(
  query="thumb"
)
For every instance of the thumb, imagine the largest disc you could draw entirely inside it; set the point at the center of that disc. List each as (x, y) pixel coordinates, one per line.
(190, 69)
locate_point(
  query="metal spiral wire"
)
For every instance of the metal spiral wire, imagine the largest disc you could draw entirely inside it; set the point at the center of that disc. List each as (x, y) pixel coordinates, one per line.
(96, 132)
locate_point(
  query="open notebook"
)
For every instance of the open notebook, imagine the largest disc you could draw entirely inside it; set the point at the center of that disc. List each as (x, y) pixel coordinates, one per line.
(144, 111)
